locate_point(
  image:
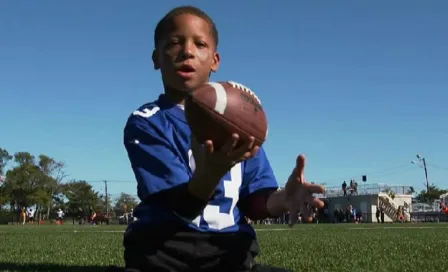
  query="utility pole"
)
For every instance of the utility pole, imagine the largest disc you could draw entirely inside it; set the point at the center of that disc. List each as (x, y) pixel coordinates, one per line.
(106, 199)
(422, 160)
(426, 174)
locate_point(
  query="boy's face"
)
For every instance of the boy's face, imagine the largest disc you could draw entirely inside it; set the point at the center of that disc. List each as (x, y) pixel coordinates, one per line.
(187, 53)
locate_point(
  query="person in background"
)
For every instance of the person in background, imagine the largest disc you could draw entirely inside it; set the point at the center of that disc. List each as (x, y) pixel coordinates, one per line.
(30, 214)
(336, 215)
(93, 217)
(23, 216)
(344, 188)
(131, 216)
(355, 187)
(358, 216)
(60, 216)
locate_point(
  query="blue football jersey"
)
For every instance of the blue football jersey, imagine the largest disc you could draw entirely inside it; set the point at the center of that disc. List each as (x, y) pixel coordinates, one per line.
(158, 140)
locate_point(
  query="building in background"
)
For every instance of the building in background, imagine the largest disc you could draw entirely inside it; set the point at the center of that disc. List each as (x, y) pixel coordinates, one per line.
(394, 200)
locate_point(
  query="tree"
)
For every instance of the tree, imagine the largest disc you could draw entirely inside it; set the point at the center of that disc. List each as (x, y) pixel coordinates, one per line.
(23, 180)
(4, 159)
(391, 194)
(4, 194)
(410, 191)
(103, 205)
(30, 183)
(125, 200)
(432, 194)
(54, 170)
(81, 196)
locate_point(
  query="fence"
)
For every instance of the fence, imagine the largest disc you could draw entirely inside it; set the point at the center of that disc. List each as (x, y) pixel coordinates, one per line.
(367, 189)
(11, 218)
(429, 216)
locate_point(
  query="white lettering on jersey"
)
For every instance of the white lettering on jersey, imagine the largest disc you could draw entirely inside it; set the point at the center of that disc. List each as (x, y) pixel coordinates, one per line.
(212, 215)
(146, 113)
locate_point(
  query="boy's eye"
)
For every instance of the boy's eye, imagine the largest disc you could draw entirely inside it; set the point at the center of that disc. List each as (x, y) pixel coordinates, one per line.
(201, 44)
(171, 43)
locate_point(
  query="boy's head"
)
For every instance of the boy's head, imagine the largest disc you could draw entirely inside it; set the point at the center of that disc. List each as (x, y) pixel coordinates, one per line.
(185, 42)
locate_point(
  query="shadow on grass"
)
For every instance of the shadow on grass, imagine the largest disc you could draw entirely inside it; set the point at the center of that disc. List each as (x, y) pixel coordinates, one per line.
(54, 267)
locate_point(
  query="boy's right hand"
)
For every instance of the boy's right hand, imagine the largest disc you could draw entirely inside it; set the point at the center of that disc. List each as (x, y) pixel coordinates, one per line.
(211, 164)
(219, 162)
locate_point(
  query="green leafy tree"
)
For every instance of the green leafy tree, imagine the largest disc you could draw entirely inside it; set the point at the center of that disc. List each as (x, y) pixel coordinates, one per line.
(32, 183)
(23, 180)
(103, 205)
(54, 171)
(410, 191)
(5, 197)
(434, 193)
(4, 159)
(125, 200)
(81, 196)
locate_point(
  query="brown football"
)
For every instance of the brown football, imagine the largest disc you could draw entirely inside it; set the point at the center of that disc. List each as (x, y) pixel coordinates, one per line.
(218, 109)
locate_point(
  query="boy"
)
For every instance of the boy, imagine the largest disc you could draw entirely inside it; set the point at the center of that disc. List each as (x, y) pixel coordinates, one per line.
(195, 199)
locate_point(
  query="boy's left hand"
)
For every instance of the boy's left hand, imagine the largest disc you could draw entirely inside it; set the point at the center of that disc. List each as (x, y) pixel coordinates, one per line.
(299, 194)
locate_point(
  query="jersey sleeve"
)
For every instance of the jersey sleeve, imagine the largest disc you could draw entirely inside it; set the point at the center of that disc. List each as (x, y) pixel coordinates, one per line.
(155, 164)
(258, 175)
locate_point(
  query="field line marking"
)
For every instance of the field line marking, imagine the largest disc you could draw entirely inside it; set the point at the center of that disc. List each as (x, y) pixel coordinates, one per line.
(404, 227)
(275, 229)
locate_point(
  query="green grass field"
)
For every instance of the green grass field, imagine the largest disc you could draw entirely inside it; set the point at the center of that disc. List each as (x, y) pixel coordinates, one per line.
(323, 247)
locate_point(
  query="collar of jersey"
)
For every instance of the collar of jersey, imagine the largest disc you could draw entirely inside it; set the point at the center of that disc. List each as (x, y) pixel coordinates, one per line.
(171, 108)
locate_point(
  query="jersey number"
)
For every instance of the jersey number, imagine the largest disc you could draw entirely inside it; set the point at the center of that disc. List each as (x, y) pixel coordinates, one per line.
(146, 113)
(212, 215)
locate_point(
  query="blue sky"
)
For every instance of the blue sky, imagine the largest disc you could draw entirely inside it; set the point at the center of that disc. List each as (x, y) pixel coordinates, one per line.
(360, 87)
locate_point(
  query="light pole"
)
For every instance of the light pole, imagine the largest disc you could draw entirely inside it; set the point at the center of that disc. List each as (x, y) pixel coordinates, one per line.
(422, 163)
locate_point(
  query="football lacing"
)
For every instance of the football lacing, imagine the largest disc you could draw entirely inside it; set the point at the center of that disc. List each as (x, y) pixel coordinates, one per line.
(245, 89)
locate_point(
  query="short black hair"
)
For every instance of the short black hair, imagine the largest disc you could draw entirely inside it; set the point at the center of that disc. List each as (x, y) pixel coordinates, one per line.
(163, 23)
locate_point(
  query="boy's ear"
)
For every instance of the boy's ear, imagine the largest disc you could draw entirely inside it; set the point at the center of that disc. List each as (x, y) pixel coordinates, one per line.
(155, 60)
(216, 62)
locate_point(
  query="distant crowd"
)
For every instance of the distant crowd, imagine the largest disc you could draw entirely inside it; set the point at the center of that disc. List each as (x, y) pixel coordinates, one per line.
(352, 189)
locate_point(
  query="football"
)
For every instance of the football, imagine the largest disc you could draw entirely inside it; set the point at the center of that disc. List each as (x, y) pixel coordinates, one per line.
(216, 110)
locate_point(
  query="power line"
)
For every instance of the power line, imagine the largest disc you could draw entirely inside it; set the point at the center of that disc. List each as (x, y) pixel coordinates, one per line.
(438, 167)
(110, 181)
(380, 173)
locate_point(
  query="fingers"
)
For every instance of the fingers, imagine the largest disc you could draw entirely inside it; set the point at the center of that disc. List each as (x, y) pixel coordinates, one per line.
(291, 185)
(309, 208)
(315, 202)
(310, 190)
(293, 216)
(238, 150)
(300, 165)
(307, 213)
(246, 146)
(232, 152)
(231, 143)
(313, 188)
(298, 173)
(209, 146)
(254, 151)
